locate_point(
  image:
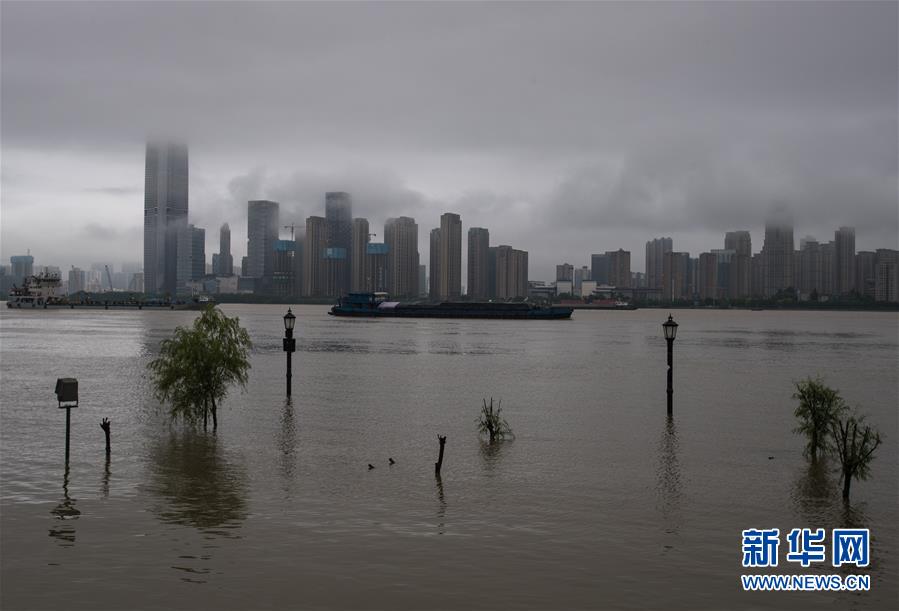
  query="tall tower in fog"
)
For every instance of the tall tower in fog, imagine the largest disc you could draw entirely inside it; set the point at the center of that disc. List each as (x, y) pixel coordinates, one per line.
(450, 256)
(844, 260)
(339, 222)
(262, 233)
(777, 253)
(226, 261)
(401, 239)
(478, 263)
(165, 211)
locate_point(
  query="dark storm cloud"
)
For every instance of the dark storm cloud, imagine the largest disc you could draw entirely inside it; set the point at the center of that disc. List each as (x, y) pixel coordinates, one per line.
(566, 128)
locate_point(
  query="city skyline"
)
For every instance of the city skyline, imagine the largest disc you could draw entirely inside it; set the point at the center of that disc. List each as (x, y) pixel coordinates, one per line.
(600, 142)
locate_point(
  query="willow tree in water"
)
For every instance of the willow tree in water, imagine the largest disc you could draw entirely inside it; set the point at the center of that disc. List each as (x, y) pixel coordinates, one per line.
(198, 364)
(819, 407)
(854, 443)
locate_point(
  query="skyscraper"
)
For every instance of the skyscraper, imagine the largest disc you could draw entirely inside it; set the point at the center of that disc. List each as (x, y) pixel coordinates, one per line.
(20, 267)
(844, 260)
(478, 262)
(313, 257)
(777, 253)
(675, 276)
(565, 272)
(401, 238)
(599, 268)
(339, 219)
(738, 241)
(262, 233)
(191, 257)
(359, 255)
(225, 260)
(165, 210)
(511, 272)
(450, 256)
(740, 272)
(655, 252)
(377, 267)
(434, 262)
(619, 268)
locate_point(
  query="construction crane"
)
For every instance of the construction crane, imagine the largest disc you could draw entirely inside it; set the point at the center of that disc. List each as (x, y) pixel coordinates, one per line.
(291, 227)
(108, 276)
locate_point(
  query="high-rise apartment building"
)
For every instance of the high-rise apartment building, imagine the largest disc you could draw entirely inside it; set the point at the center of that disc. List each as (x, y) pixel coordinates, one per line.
(165, 211)
(655, 252)
(676, 276)
(740, 270)
(565, 272)
(284, 270)
(777, 253)
(422, 280)
(599, 268)
(865, 265)
(619, 268)
(708, 276)
(316, 242)
(844, 260)
(828, 258)
(339, 218)
(401, 237)
(810, 268)
(377, 267)
(886, 275)
(434, 262)
(511, 273)
(738, 241)
(191, 257)
(225, 265)
(450, 256)
(262, 233)
(359, 255)
(20, 267)
(478, 263)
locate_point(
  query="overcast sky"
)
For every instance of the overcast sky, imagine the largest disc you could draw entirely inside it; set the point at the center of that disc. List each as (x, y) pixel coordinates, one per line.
(565, 129)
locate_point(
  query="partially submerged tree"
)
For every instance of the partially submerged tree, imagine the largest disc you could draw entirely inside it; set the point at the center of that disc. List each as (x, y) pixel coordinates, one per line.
(198, 364)
(819, 406)
(854, 443)
(491, 421)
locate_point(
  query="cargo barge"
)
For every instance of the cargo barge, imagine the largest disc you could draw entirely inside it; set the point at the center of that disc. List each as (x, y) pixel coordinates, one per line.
(378, 305)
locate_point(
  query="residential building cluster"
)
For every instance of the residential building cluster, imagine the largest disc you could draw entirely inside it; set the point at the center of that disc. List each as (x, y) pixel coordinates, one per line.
(814, 272)
(334, 254)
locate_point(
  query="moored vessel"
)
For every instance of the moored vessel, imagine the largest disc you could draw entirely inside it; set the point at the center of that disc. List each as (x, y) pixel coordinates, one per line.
(40, 292)
(378, 305)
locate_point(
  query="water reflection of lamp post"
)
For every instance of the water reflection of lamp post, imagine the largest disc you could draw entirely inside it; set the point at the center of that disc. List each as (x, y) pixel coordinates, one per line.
(670, 329)
(290, 344)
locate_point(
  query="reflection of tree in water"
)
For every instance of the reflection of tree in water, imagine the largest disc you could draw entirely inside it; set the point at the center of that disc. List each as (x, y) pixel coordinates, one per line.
(668, 481)
(64, 532)
(491, 453)
(441, 506)
(200, 487)
(816, 498)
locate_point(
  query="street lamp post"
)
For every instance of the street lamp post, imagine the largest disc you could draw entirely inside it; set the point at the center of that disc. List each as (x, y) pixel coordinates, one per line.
(670, 329)
(290, 344)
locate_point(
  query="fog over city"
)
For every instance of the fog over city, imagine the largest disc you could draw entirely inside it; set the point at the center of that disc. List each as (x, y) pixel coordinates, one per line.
(566, 129)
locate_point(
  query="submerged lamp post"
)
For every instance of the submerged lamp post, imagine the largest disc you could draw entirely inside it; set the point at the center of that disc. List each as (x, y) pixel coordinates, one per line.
(290, 344)
(67, 392)
(670, 329)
